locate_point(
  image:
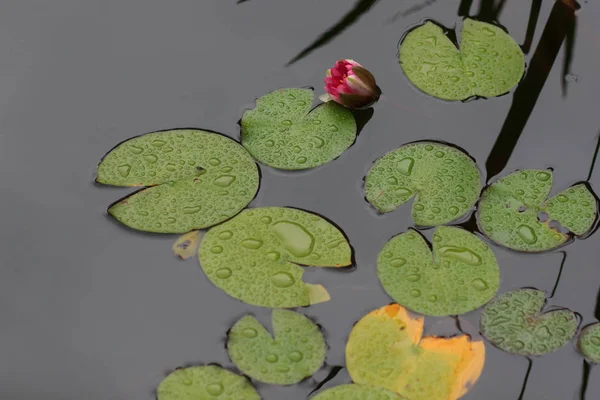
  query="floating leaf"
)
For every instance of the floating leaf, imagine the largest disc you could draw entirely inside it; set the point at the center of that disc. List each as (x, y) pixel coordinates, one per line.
(444, 181)
(284, 133)
(489, 62)
(255, 256)
(514, 212)
(296, 351)
(385, 349)
(589, 343)
(357, 392)
(205, 383)
(460, 276)
(187, 245)
(514, 322)
(201, 179)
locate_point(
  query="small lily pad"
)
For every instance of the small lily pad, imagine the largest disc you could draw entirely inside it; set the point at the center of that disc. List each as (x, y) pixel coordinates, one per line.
(385, 349)
(514, 322)
(187, 245)
(296, 351)
(356, 392)
(205, 383)
(197, 178)
(283, 132)
(444, 181)
(488, 64)
(460, 276)
(514, 212)
(255, 256)
(589, 343)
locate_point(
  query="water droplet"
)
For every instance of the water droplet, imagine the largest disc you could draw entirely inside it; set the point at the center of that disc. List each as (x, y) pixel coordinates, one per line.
(479, 284)
(151, 158)
(282, 368)
(460, 199)
(439, 154)
(272, 358)
(136, 149)
(402, 191)
(333, 128)
(294, 237)
(397, 262)
(413, 277)
(487, 219)
(295, 356)
(453, 210)
(250, 333)
(143, 213)
(392, 180)
(191, 210)
(527, 234)
(273, 255)
(214, 162)
(454, 78)
(301, 160)
(318, 142)
(171, 220)
(518, 345)
(317, 121)
(460, 254)
(562, 198)
(266, 220)
(286, 122)
(499, 321)
(124, 170)
(543, 332)
(224, 180)
(215, 389)
(216, 249)
(171, 167)
(436, 210)
(158, 143)
(282, 280)
(419, 207)
(223, 273)
(429, 147)
(297, 149)
(225, 235)
(335, 243)
(542, 176)
(415, 293)
(406, 165)
(269, 143)
(520, 192)
(252, 244)
(187, 382)
(432, 298)
(595, 340)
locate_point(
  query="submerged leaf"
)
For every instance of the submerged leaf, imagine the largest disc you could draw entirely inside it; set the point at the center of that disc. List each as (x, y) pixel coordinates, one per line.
(205, 383)
(589, 343)
(255, 256)
(284, 133)
(356, 392)
(514, 322)
(488, 64)
(385, 350)
(198, 179)
(296, 350)
(187, 245)
(460, 276)
(514, 212)
(444, 181)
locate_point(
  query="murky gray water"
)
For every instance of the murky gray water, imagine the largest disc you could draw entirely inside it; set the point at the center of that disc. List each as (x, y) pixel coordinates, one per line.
(91, 310)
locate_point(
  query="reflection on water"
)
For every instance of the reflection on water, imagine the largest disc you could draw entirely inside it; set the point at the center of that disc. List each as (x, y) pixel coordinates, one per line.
(587, 367)
(524, 388)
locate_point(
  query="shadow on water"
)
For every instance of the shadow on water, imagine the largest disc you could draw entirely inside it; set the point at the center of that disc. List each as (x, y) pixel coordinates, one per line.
(332, 374)
(587, 367)
(524, 387)
(562, 264)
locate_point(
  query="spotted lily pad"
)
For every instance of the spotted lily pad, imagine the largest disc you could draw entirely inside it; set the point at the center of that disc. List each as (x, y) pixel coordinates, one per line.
(356, 392)
(589, 343)
(385, 349)
(460, 276)
(514, 211)
(284, 133)
(205, 383)
(296, 351)
(197, 178)
(488, 64)
(444, 181)
(255, 256)
(514, 322)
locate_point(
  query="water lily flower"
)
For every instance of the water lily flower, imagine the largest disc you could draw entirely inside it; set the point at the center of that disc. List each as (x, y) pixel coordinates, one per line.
(351, 85)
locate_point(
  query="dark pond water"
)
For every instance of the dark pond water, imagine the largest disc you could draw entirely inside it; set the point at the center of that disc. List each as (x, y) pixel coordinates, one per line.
(91, 310)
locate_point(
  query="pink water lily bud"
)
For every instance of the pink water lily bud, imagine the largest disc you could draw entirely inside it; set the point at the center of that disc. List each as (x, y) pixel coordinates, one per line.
(351, 85)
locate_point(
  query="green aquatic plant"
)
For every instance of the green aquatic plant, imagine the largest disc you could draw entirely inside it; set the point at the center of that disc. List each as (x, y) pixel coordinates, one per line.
(356, 392)
(589, 343)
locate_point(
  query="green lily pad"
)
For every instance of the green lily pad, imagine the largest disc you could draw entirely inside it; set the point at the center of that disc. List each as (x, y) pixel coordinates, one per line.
(255, 256)
(197, 178)
(444, 181)
(296, 351)
(357, 392)
(488, 64)
(589, 343)
(283, 132)
(514, 212)
(514, 322)
(205, 383)
(460, 276)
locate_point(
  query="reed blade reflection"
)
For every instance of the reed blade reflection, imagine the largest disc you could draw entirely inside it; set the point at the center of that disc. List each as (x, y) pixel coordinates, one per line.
(585, 379)
(594, 158)
(332, 374)
(361, 7)
(524, 388)
(534, 15)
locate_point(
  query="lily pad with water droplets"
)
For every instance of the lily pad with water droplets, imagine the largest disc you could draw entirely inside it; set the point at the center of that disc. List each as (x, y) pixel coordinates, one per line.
(256, 256)
(444, 181)
(514, 322)
(489, 62)
(514, 212)
(197, 178)
(296, 350)
(357, 392)
(283, 132)
(589, 343)
(205, 383)
(460, 276)
(385, 349)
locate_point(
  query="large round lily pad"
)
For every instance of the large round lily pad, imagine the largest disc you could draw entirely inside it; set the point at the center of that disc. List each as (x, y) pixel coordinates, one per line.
(489, 62)
(283, 132)
(589, 343)
(356, 392)
(296, 350)
(385, 349)
(460, 276)
(205, 383)
(197, 178)
(255, 256)
(444, 181)
(514, 211)
(514, 322)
